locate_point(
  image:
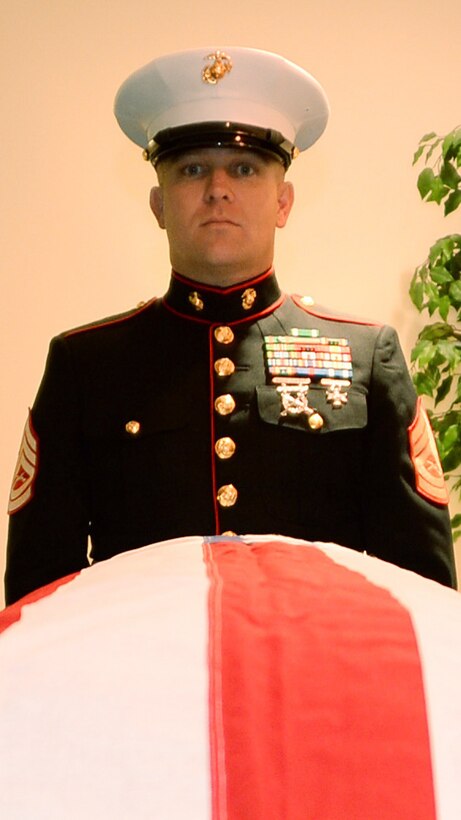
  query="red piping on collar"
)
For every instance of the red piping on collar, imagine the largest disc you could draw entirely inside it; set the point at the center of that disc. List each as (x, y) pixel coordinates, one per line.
(223, 291)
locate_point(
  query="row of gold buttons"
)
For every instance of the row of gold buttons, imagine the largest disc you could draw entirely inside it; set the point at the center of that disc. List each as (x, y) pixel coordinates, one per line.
(225, 447)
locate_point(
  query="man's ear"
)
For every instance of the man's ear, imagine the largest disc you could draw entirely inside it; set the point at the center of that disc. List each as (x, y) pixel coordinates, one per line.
(286, 197)
(156, 204)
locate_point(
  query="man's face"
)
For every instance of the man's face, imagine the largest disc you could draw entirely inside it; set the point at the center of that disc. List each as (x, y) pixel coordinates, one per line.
(220, 208)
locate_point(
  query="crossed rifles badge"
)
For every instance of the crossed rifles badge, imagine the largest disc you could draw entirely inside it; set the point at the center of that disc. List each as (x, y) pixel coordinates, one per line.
(295, 362)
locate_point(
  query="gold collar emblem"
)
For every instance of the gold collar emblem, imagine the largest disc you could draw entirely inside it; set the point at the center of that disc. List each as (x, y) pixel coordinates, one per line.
(248, 298)
(220, 65)
(196, 300)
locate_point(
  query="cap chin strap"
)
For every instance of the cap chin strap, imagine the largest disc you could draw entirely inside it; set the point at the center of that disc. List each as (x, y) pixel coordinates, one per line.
(219, 135)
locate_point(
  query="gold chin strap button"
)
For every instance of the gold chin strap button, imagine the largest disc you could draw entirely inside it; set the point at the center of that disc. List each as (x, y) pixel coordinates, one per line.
(228, 532)
(248, 298)
(196, 300)
(132, 427)
(224, 367)
(225, 447)
(224, 404)
(227, 495)
(224, 335)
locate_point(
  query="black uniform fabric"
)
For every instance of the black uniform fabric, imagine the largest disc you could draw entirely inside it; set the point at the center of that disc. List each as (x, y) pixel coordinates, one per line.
(352, 482)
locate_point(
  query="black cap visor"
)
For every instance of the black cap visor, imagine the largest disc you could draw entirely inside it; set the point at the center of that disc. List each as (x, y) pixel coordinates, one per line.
(171, 141)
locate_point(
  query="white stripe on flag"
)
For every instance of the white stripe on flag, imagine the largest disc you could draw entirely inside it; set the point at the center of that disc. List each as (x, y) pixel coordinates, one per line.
(104, 694)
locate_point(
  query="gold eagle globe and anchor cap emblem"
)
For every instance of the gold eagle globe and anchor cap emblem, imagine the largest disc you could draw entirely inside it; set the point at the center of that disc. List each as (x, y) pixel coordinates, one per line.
(220, 65)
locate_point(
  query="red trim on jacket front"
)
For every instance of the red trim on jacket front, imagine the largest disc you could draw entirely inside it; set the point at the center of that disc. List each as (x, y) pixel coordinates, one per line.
(214, 488)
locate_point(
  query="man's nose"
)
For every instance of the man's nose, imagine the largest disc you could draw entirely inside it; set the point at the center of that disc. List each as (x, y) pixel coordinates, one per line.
(218, 185)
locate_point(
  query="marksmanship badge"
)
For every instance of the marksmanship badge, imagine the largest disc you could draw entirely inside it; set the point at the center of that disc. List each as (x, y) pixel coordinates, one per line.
(220, 65)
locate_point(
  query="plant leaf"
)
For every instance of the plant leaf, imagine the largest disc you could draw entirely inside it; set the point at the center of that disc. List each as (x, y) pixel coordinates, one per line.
(450, 438)
(433, 147)
(425, 182)
(423, 385)
(438, 190)
(419, 348)
(417, 154)
(453, 202)
(449, 175)
(443, 390)
(455, 292)
(452, 144)
(440, 275)
(436, 331)
(444, 307)
(428, 137)
(452, 459)
(417, 294)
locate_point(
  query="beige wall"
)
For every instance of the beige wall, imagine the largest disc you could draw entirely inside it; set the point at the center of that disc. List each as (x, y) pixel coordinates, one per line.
(78, 240)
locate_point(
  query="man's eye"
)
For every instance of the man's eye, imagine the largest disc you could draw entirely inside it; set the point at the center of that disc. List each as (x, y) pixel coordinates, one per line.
(192, 169)
(244, 169)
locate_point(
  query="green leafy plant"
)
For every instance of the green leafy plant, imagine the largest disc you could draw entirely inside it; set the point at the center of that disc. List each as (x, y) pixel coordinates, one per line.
(436, 288)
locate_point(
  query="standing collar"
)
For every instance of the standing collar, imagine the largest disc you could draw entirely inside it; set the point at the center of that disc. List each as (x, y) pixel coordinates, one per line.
(205, 303)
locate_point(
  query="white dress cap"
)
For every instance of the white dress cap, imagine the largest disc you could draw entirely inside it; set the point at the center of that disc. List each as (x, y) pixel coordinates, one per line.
(227, 96)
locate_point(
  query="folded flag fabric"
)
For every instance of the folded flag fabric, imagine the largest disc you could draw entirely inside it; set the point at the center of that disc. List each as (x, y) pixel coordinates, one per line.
(232, 678)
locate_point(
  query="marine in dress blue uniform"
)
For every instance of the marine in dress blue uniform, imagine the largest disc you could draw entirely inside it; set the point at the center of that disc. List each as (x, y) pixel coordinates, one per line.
(225, 409)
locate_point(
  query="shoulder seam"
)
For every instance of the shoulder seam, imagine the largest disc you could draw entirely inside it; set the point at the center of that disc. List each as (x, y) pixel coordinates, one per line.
(322, 313)
(111, 320)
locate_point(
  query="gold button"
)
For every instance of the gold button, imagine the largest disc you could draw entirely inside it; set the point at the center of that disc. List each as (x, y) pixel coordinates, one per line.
(315, 421)
(228, 532)
(224, 404)
(248, 298)
(225, 447)
(132, 427)
(224, 367)
(196, 300)
(227, 495)
(224, 335)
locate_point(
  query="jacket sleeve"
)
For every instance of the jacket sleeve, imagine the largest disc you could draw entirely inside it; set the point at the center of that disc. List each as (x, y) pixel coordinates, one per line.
(403, 524)
(49, 520)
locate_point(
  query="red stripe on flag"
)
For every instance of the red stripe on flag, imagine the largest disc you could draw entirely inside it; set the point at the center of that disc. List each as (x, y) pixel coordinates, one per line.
(317, 707)
(13, 612)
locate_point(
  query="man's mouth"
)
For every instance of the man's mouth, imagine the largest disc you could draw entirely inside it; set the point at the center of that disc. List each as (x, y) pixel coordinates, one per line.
(216, 220)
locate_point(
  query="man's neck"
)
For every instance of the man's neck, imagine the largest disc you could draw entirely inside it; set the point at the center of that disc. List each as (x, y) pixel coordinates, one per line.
(220, 277)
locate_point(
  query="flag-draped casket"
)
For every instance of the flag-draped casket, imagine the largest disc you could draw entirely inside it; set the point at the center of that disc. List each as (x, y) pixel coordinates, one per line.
(254, 678)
